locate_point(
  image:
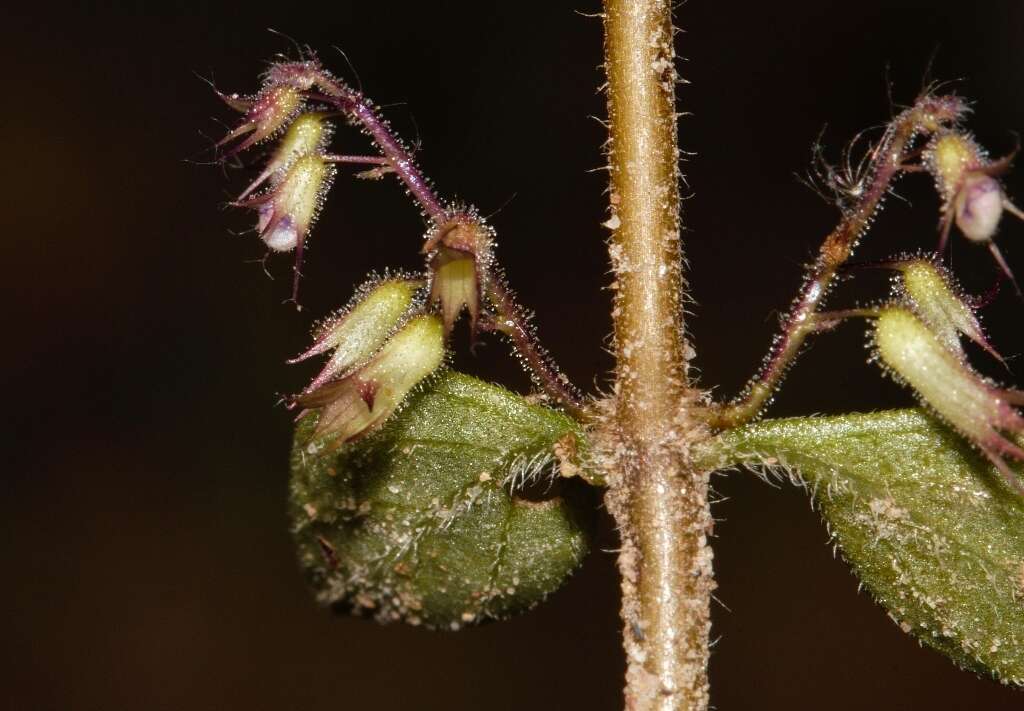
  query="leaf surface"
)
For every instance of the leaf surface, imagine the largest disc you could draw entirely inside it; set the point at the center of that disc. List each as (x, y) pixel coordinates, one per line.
(930, 527)
(427, 522)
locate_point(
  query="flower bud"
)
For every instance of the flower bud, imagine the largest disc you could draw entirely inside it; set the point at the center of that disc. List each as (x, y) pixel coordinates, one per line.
(978, 207)
(944, 381)
(359, 331)
(306, 134)
(287, 211)
(949, 157)
(266, 114)
(460, 253)
(931, 290)
(363, 400)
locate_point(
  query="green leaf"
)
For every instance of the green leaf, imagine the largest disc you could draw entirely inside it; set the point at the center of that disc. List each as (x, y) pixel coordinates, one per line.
(427, 520)
(930, 527)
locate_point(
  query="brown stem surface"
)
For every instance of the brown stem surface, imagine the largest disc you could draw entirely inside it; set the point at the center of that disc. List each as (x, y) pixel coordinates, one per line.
(658, 499)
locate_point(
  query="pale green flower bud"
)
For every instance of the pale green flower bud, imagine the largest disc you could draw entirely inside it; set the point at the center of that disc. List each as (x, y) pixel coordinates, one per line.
(358, 332)
(949, 157)
(307, 134)
(944, 381)
(936, 299)
(363, 400)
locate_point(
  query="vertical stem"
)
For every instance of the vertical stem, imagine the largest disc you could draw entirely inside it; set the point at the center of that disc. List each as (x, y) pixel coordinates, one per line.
(658, 499)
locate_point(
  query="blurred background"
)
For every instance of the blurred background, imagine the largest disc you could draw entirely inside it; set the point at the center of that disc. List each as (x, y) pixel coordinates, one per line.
(146, 551)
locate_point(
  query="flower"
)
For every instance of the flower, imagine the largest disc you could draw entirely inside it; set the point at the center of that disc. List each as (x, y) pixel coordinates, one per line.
(363, 400)
(460, 255)
(972, 196)
(357, 333)
(978, 207)
(288, 209)
(971, 404)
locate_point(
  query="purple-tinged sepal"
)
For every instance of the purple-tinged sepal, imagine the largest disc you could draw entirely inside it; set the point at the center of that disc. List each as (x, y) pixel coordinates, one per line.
(266, 115)
(935, 112)
(302, 75)
(237, 102)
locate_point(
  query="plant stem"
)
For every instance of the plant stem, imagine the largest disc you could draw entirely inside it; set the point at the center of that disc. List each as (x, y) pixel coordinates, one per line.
(658, 499)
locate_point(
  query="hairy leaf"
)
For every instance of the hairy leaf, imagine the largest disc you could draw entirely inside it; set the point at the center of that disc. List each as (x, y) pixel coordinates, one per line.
(930, 526)
(427, 521)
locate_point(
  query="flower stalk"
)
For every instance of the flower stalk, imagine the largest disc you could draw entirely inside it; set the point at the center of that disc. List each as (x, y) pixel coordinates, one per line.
(888, 159)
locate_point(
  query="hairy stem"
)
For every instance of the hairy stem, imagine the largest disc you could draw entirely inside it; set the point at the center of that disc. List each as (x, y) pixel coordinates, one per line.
(510, 320)
(360, 110)
(658, 499)
(887, 161)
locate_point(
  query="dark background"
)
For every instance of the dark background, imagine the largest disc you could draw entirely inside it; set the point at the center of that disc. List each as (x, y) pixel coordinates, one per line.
(147, 561)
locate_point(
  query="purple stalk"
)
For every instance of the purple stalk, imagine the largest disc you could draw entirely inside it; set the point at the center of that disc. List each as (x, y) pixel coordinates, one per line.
(362, 111)
(887, 161)
(509, 316)
(511, 320)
